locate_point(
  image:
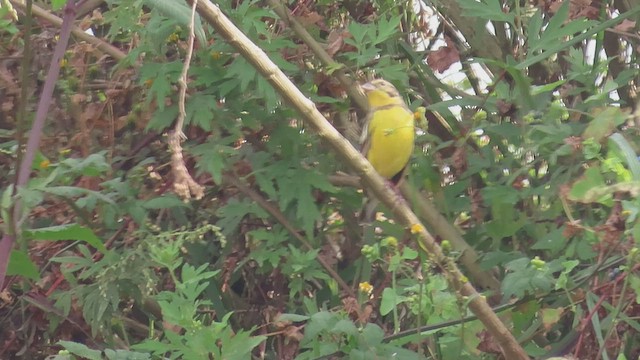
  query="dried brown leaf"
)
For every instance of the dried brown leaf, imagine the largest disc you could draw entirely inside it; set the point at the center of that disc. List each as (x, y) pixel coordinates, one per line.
(626, 25)
(310, 18)
(335, 41)
(442, 59)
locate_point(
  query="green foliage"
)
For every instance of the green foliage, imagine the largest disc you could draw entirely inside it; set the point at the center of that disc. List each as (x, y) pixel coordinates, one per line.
(21, 265)
(329, 333)
(538, 171)
(82, 351)
(65, 232)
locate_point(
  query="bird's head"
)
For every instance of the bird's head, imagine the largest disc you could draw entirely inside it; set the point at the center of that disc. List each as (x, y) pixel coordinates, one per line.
(381, 93)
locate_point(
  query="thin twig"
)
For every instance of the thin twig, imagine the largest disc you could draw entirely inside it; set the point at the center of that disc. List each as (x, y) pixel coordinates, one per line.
(183, 184)
(282, 219)
(354, 92)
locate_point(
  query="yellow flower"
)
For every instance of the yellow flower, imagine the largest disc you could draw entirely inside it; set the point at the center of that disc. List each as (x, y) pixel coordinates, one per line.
(420, 117)
(365, 288)
(390, 241)
(416, 228)
(173, 38)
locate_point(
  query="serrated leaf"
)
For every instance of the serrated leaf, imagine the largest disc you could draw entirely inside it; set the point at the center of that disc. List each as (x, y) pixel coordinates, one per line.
(179, 12)
(386, 29)
(214, 157)
(358, 32)
(163, 119)
(161, 76)
(92, 165)
(487, 10)
(242, 73)
(558, 29)
(200, 110)
(296, 187)
(234, 211)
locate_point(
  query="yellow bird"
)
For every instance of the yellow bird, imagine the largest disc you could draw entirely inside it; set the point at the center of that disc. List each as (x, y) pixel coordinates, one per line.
(389, 132)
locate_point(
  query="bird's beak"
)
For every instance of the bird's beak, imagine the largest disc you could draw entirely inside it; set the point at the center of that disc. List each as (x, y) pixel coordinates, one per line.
(367, 87)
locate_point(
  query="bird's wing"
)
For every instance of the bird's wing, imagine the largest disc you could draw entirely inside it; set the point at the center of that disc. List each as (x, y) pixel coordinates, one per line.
(365, 138)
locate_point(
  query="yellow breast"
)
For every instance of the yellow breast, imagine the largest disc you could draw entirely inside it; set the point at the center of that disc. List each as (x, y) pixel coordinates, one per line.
(391, 136)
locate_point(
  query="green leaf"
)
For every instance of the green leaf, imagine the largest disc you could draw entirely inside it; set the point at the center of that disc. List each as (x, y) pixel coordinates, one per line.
(318, 323)
(242, 73)
(240, 346)
(297, 187)
(163, 119)
(70, 192)
(634, 283)
(81, 350)
(629, 154)
(234, 211)
(125, 355)
(6, 203)
(553, 50)
(592, 178)
(345, 326)
(386, 29)
(200, 110)
(66, 232)
(390, 299)
(372, 334)
(179, 12)
(21, 265)
(563, 279)
(557, 30)
(161, 76)
(486, 10)
(604, 123)
(92, 165)
(292, 317)
(57, 4)
(534, 26)
(358, 31)
(164, 202)
(552, 240)
(518, 281)
(409, 254)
